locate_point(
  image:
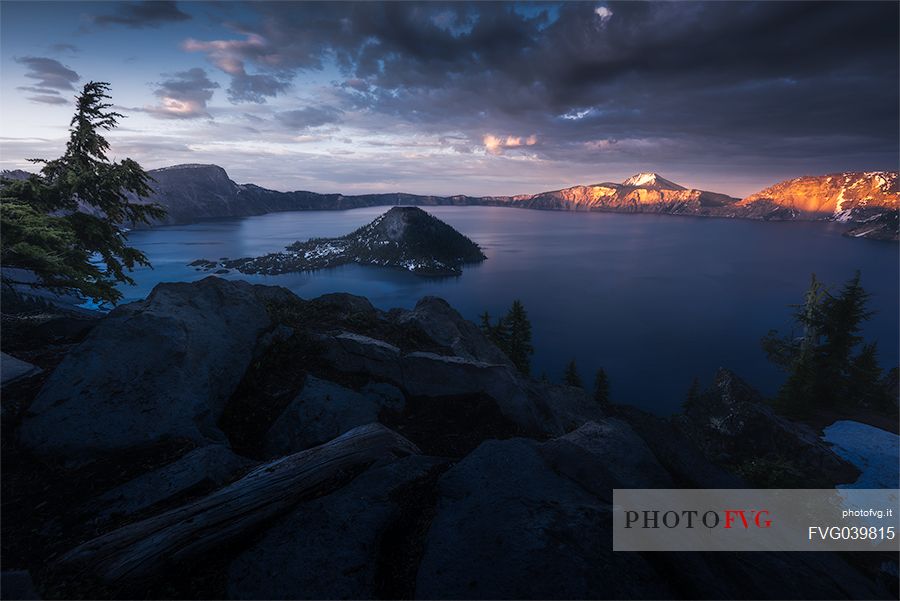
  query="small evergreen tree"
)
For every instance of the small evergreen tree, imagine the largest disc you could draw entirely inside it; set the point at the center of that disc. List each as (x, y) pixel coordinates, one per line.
(485, 324)
(693, 394)
(512, 335)
(519, 348)
(865, 383)
(570, 375)
(601, 387)
(66, 224)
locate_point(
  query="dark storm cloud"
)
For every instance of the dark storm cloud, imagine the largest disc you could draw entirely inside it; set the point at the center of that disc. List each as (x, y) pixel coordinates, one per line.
(137, 15)
(184, 95)
(49, 73)
(247, 87)
(584, 80)
(308, 117)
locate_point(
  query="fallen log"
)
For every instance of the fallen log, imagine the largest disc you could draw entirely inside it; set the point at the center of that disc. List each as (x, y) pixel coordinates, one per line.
(185, 532)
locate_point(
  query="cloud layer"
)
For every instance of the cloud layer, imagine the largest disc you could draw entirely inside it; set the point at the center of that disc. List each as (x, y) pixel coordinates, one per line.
(184, 95)
(138, 15)
(507, 93)
(587, 80)
(50, 77)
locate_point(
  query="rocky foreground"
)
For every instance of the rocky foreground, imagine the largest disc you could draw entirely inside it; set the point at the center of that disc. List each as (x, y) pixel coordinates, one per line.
(404, 238)
(225, 440)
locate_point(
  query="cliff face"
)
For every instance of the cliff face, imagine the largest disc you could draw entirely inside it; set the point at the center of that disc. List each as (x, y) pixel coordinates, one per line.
(195, 192)
(843, 196)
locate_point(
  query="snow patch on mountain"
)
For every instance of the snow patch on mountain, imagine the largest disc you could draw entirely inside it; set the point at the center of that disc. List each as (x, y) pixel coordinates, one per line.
(651, 180)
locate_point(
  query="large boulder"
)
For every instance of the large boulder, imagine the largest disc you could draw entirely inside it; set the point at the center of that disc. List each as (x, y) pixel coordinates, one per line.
(151, 370)
(17, 584)
(196, 472)
(323, 410)
(685, 463)
(733, 426)
(12, 369)
(604, 455)
(329, 548)
(436, 319)
(509, 527)
(536, 408)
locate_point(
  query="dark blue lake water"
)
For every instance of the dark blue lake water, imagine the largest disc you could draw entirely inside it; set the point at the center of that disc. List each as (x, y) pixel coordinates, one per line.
(655, 300)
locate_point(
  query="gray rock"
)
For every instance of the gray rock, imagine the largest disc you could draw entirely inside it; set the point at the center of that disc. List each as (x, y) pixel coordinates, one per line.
(733, 425)
(323, 410)
(535, 408)
(17, 584)
(12, 369)
(677, 453)
(207, 467)
(599, 454)
(327, 548)
(342, 305)
(509, 527)
(154, 369)
(355, 353)
(435, 318)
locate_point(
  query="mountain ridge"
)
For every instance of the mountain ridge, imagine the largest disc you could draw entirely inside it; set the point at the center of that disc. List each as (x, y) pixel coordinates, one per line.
(195, 192)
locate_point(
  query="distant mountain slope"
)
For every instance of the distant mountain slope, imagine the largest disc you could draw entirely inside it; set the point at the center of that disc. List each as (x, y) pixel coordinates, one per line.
(403, 237)
(850, 196)
(194, 192)
(641, 193)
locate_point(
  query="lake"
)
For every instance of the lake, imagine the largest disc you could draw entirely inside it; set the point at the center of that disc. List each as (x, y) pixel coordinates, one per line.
(653, 299)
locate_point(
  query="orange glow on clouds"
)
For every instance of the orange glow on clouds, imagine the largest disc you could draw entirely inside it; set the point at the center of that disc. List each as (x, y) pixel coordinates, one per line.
(496, 144)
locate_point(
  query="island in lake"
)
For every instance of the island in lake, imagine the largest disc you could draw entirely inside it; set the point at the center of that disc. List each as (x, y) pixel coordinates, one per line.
(404, 237)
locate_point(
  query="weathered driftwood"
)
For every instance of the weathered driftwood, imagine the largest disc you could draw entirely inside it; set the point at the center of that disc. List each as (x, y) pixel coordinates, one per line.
(185, 532)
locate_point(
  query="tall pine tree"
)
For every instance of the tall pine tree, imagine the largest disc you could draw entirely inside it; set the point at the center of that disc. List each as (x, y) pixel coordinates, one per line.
(66, 224)
(570, 375)
(519, 348)
(512, 335)
(601, 387)
(824, 368)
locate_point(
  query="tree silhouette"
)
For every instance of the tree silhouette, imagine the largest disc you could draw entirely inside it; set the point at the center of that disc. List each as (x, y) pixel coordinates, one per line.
(66, 224)
(570, 375)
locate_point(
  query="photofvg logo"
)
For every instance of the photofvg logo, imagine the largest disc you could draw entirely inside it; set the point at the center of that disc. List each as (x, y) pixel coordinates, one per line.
(755, 520)
(691, 518)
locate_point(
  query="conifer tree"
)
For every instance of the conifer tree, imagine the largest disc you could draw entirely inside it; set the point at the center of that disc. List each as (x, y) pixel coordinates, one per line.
(823, 366)
(601, 387)
(864, 382)
(570, 375)
(66, 224)
(693, 394)
(518, 337)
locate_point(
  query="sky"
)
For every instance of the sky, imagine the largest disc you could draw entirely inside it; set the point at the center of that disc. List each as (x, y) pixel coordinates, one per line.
(464, 98)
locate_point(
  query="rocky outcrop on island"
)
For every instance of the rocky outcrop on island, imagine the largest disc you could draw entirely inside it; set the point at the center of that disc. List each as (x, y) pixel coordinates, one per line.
(404, 237)
(223, 440)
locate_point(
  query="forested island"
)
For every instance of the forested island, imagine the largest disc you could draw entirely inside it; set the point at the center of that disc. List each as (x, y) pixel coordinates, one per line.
(403, 237)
